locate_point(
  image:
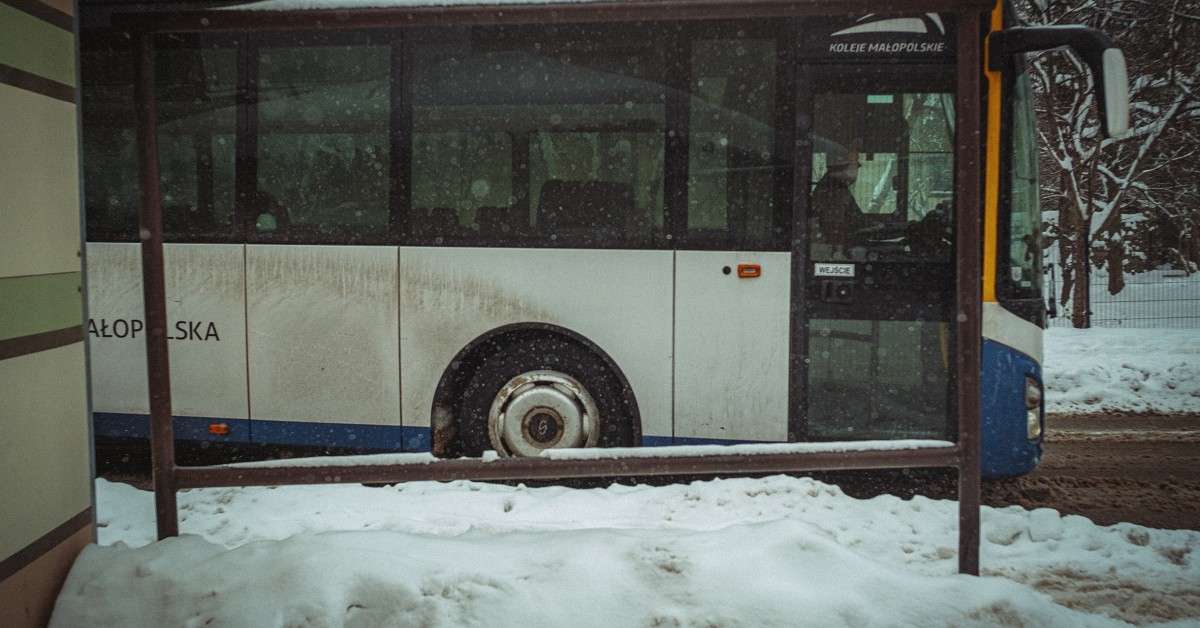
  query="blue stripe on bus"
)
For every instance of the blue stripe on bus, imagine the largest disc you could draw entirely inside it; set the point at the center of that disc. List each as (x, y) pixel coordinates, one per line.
(1005, 447)
(415, 439)
(378, 437)
(191, 428)
(263, 432)
(120, 425)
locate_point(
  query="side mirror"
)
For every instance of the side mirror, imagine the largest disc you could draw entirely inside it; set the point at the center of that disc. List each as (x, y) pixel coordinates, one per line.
(1105, 60)
(1115, 88)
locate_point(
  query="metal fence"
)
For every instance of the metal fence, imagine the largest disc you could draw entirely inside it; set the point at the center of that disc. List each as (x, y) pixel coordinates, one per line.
(1155, 299)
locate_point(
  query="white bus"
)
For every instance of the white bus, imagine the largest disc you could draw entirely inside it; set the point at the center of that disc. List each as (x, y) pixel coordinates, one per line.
(563, 226)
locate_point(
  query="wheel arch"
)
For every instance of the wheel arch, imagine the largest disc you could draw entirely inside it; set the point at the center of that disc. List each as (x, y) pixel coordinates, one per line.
(469, 359)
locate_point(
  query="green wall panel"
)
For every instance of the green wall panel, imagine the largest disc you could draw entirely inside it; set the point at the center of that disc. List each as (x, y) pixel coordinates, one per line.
(39, 303)
(38, 47)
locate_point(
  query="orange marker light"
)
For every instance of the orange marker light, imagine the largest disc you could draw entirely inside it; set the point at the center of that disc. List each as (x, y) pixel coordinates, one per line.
(220, 429)
(749, 271)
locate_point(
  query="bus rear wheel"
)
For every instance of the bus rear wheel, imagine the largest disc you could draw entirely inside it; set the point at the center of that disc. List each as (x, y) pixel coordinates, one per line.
(547, 393)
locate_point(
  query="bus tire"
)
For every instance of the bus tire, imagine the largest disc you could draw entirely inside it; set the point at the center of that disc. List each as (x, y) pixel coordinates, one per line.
(547, 392)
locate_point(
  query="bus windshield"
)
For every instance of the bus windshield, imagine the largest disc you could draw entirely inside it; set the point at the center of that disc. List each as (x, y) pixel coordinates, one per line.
(1025, 214)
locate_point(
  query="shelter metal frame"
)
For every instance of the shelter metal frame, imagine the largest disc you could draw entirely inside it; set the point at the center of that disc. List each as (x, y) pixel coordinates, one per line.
(963, 455)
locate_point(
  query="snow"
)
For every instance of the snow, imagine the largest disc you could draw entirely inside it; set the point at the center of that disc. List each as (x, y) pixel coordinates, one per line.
(1114, 369)
(770, 551)
(724, 552)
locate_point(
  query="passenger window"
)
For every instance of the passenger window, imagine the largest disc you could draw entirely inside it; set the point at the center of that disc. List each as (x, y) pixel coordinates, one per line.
(458, 178)
(196, 82)
(733, 173)
(323, 159)
(536, 135)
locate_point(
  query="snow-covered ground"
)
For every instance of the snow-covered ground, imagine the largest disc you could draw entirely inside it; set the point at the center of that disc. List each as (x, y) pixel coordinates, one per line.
(743, 552)
(1134, 370)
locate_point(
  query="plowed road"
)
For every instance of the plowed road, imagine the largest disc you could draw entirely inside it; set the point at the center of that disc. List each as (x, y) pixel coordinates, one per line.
(1143, 469)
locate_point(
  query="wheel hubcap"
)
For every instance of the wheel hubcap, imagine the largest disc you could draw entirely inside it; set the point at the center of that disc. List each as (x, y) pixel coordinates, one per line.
(541, 410)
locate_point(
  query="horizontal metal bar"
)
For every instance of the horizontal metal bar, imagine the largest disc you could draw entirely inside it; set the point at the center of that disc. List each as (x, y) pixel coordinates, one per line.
(496, 14)
(545, 469)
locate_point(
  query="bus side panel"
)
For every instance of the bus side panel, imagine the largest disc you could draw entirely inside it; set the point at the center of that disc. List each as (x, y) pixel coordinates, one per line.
(205, 324)
(619, 299)
(1006, 449)
(322, 351)
(1012, 350)
(731, 344)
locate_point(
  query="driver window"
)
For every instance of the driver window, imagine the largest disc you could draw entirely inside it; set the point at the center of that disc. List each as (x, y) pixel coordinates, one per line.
(883, 171)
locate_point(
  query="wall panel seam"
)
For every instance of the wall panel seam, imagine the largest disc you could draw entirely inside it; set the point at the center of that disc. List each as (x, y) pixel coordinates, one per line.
(52, 539)
(31, 82)
(44, 12)
(36, 343)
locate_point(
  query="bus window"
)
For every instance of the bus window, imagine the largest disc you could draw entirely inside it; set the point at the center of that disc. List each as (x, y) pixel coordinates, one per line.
(110, 164)
(1025, 220)
(456, 175)
(502, 117)
(322, 139)
(732, 174)
(197, 118)
(195, 81)
(878, 379)
(882, 172)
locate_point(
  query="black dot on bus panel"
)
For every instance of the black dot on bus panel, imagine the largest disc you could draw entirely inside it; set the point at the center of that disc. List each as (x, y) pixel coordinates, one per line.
(727, 270)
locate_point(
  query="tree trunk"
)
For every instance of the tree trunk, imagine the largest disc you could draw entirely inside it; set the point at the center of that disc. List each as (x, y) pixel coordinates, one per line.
(1080, 261)
(1115, 261)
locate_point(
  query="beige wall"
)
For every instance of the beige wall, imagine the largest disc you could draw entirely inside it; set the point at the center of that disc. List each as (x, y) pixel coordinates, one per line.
(38, 177)
(45, 454)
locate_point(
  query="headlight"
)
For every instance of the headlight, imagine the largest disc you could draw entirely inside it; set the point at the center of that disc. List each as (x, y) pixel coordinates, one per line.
(1033, 408)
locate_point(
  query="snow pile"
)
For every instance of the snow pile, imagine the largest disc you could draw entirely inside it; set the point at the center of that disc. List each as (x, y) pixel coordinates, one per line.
(772, 551)
(750, 552)
(1124, 370)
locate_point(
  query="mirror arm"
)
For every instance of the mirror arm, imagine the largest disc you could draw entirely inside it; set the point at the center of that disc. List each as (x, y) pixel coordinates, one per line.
(1102, 56)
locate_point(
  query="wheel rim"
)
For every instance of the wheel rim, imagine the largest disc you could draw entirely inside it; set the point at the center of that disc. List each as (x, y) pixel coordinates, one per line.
(541, 410)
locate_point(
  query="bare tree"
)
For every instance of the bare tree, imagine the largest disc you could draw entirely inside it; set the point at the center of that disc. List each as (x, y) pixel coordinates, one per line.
(1150, 169)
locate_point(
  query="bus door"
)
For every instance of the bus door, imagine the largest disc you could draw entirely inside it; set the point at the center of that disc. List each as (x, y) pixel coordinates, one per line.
(877, 265)
(732, 266)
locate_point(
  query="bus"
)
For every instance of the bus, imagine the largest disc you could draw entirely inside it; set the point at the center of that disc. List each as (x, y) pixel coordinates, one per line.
(464, 228)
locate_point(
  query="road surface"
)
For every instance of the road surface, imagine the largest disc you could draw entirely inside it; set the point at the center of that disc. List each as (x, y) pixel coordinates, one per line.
(1143, 469)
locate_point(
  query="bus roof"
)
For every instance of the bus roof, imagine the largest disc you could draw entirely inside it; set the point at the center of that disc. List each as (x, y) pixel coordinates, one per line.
(272, 15)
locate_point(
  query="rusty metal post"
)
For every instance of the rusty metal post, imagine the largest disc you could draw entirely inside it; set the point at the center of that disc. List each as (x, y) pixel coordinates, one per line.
(150, 232)
(968, 193)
